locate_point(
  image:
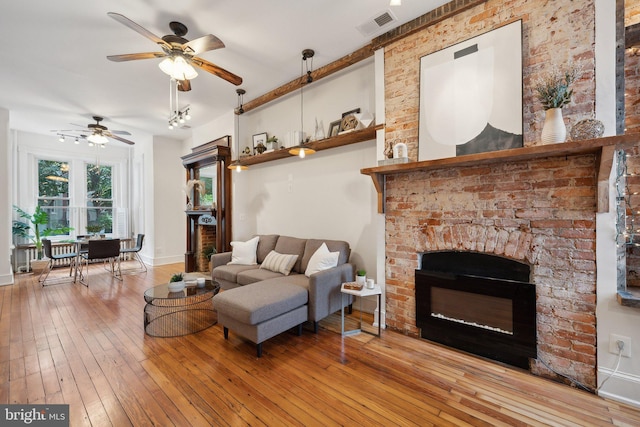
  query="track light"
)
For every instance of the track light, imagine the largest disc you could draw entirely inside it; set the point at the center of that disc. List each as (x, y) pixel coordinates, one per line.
(61, 138)
(77, 141)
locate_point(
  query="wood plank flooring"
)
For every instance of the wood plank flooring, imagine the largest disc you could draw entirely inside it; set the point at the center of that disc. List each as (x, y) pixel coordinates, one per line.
(86, 347)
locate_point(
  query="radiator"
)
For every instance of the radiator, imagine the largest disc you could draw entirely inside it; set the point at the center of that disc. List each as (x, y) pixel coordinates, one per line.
(61, 248)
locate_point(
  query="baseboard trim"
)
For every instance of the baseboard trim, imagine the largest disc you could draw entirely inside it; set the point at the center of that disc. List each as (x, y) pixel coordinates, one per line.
(621, 387)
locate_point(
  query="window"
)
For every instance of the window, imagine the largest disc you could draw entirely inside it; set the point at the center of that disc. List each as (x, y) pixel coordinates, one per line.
(99, 199)
(53, 192)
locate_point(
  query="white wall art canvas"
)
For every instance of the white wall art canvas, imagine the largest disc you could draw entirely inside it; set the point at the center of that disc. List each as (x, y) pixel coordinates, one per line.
(471, 96)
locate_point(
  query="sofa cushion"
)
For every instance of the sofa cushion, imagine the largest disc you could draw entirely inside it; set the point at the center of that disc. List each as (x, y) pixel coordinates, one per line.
(279, 263)
(312, 245)
(321, 260)
(294, 246)
(254, 304)
(244, 253)
(230, 272)
(266, 244)
(248, 277)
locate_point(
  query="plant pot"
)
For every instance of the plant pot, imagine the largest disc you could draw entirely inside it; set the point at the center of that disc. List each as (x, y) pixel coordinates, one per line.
(361, 280)
(38, 265)
(554, 129)
(177, 286)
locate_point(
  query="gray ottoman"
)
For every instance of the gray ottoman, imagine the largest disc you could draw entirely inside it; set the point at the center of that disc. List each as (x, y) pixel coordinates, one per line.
(261, 311)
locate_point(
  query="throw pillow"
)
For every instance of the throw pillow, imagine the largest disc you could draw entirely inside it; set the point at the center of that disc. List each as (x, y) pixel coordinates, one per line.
(244, 253)
(279, 263)
(321, 260)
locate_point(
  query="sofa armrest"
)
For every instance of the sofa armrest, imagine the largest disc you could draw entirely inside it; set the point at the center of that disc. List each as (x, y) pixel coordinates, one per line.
(324, 290)
(222, 258)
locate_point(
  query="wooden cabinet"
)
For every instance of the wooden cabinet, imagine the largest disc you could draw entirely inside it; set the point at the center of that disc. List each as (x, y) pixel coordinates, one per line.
(208, 164)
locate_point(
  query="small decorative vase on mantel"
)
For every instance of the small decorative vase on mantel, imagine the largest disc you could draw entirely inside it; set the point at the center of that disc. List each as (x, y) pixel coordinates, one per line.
(554, 129)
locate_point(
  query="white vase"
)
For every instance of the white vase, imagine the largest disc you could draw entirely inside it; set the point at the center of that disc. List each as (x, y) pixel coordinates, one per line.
(554, 129)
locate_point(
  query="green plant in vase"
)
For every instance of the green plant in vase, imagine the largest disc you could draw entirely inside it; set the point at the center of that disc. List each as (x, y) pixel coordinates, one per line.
(178, 277)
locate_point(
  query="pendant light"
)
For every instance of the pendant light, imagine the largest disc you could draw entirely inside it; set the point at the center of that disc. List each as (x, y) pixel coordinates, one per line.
(301, 149)
(236, 164)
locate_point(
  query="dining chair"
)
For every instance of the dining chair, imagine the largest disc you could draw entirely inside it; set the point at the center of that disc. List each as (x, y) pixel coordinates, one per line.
(48, 252)
(103, 250)
(135, 251)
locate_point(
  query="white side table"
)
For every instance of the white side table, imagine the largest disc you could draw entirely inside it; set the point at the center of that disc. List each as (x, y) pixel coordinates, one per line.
(364, 292)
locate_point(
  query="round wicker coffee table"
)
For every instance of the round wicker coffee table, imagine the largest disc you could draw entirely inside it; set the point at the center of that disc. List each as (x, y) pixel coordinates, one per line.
(172, 314)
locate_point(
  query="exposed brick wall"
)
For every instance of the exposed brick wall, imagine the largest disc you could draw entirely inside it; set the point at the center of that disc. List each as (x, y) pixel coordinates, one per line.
(540, 212)
(553, 33)
(206, 238)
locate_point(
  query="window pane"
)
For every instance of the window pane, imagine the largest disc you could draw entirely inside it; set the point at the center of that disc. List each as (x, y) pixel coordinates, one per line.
(57, 211)
(99, 199)
(98, 182)
(53, 178)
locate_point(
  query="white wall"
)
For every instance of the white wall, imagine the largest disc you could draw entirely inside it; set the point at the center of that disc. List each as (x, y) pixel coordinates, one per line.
(321, 196)
(612, 318)
(6, 272)
(166, 210)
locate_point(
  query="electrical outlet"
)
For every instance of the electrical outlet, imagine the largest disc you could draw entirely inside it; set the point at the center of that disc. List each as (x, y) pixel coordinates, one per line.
(613, 345)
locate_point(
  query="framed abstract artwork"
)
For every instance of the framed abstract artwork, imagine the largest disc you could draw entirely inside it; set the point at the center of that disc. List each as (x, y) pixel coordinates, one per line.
(471, 96)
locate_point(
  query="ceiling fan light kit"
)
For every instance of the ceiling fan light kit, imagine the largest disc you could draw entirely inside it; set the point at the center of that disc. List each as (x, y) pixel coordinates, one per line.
(98, 134)
(178, 68)
(180, 54)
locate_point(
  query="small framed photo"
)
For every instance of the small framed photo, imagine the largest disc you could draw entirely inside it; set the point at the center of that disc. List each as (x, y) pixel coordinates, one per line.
(348, 113)
(334, 128)
(259, 138)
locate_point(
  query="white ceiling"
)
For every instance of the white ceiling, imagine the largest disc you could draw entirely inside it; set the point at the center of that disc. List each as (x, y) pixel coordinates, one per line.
(54, 70)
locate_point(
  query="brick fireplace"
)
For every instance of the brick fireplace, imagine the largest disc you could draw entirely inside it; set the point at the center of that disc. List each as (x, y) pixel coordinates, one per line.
(539, 210)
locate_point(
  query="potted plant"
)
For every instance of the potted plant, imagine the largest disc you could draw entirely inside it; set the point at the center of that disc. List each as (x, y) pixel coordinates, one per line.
(35, 230)
(176, 283)
(554, 91)
(272, 143)
(361, 277)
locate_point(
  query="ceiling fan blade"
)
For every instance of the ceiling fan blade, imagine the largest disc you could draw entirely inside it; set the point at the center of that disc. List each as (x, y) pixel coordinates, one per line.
(184, 85)
(137, 28)
(134, 56)
(203, 44)
(214, 69)
(126, 141)
(119, 132)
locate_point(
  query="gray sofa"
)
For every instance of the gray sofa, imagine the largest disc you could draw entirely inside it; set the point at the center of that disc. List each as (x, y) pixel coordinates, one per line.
(324, 296)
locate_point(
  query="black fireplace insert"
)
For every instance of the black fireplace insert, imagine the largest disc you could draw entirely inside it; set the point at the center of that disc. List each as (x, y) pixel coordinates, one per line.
(479, 303)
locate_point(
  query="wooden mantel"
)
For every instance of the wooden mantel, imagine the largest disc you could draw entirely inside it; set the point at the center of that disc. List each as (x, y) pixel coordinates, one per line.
(603, 147)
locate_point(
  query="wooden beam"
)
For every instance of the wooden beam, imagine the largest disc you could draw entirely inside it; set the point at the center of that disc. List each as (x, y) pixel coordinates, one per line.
(430, 18)
(342, 63)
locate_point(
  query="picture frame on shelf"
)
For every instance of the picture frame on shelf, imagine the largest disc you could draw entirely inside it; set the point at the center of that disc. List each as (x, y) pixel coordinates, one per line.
(259, 142)
(354, 111)
(334, 128)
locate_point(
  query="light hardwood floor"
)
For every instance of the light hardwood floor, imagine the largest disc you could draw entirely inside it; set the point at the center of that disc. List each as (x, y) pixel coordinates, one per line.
(86, 347)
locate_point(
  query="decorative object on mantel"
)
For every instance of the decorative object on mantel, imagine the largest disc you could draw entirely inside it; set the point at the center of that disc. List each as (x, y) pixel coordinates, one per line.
(396, 151)
(300, 149)
(189, 188)
(587, 129)
(237, 164)
(554, 92)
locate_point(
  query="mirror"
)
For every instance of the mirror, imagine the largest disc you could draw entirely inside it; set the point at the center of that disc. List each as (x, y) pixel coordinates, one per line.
(208, 175)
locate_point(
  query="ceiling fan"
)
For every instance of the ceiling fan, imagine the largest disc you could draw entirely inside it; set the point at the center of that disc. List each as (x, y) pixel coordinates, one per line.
(95, 133)
(179, 53)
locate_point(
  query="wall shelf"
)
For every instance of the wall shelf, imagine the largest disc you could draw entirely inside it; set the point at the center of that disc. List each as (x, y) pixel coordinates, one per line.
(323, 144)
